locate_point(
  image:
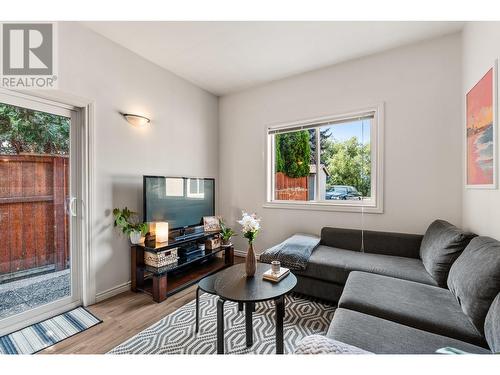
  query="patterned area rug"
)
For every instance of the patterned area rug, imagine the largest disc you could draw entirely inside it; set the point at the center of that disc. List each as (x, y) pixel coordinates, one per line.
(175, 334)
(41, 335)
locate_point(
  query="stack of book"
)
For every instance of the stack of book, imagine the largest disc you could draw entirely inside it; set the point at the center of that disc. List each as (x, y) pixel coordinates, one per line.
(275, 277)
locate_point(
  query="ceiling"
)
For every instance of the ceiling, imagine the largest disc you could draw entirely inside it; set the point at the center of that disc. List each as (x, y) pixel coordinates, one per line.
(226, 57)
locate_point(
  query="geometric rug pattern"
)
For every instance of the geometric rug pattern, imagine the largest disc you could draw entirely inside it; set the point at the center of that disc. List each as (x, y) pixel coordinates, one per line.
(41, 335)
(175, 334)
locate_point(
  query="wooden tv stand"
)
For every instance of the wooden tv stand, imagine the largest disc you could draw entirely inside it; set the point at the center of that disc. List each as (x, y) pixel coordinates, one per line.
(165, 281)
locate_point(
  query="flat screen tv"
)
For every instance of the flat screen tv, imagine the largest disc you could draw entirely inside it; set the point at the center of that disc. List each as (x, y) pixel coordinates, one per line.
(180, 201)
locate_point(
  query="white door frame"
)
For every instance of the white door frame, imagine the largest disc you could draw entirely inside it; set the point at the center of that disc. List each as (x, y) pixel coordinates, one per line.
(82, 258)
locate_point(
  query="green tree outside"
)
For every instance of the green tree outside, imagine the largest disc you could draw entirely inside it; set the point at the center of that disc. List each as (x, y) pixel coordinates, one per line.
(293, 153)
(324, 137)
(349, 163)
(26, 131)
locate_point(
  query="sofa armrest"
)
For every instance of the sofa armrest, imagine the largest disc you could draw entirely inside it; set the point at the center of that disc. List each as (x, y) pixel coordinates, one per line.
(317, 344)
(386, 243)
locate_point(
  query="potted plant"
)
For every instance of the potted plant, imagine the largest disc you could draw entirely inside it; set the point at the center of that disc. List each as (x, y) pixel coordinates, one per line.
(251, 226)
(127, 221)
(226, 233)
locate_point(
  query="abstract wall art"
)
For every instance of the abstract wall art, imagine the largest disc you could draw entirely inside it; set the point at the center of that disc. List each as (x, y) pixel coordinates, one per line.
(481, 132)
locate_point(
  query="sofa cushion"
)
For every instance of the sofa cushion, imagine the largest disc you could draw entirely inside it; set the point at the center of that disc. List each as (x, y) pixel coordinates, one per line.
(375, 242)
(321, 289)
(333, 264)
(426, 307)
(474, 278)
(385, 337)
(492, 325)
(441, 246)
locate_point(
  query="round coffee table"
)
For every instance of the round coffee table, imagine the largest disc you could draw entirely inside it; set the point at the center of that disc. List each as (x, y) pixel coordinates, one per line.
(232, 284)
(207, 285)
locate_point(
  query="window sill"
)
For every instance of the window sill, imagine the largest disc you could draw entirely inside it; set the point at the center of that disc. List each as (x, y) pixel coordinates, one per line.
(323, 206)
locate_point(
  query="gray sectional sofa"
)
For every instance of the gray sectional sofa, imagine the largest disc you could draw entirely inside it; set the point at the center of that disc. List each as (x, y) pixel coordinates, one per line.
(408, 293)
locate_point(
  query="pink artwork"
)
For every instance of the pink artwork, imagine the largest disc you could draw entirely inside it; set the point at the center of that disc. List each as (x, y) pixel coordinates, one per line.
(480, 133)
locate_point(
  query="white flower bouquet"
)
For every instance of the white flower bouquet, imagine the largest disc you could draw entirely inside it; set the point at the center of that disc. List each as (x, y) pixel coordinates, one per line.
(251, 226)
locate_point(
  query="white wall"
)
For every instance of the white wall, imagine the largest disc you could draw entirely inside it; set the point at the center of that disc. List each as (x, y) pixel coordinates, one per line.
(420, 85)
(481, 208)
(182, 138)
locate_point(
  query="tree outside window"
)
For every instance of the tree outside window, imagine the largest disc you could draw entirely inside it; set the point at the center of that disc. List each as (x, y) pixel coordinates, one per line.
(344, 170)
(23, 130)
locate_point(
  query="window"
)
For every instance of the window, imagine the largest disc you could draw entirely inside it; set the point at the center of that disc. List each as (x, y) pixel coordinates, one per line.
(329, 163)
(196, 188)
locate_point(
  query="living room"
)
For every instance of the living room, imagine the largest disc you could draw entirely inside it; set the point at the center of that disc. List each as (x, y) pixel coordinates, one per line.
(270, 185)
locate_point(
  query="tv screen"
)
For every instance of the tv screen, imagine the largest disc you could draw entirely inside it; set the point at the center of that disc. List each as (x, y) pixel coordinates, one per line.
(180, 201)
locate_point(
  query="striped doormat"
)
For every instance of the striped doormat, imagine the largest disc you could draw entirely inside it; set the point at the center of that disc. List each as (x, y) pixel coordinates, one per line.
(41, 335)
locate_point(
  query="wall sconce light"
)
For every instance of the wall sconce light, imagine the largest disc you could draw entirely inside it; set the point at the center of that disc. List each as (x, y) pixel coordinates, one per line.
(161, 230)
(136, 120)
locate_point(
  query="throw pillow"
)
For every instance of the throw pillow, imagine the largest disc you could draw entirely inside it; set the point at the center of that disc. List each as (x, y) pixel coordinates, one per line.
(441, 246)
(492, 325)
(474, 278)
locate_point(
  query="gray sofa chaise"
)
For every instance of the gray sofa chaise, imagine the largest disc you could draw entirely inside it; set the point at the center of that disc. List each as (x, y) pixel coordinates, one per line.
(408, 293)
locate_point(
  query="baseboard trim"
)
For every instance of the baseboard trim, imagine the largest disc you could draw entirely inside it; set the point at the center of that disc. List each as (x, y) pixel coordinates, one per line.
(243, 254)
(240, 253)
(126, 286)
(112, 292)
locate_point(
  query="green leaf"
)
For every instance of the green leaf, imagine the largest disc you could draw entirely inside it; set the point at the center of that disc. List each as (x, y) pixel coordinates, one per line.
(349, 163)
(293, 153)
(126, 220)
(25, 130)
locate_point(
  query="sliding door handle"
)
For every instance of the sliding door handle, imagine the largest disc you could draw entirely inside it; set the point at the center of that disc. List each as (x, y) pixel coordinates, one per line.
(72, 207)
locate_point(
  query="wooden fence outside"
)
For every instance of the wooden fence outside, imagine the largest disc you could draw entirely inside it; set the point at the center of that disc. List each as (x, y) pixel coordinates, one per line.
(34, 227)
(289, 188)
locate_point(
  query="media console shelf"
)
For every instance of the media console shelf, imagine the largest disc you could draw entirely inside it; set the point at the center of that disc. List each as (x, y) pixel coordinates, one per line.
(165, 281)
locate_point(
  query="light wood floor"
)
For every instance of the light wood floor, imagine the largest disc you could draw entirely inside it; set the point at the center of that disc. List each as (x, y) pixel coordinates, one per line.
(123, 316)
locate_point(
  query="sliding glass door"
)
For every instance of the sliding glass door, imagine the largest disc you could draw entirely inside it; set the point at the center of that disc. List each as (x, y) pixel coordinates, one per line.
(39, 211)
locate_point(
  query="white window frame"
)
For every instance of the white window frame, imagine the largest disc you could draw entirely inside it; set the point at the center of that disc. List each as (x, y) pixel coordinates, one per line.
(199, 192)
(85, 238)
(375, 205)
